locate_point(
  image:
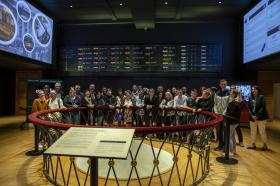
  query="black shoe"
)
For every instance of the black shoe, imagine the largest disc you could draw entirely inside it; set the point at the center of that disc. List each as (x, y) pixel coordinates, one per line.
(254, 147)
(264, 148)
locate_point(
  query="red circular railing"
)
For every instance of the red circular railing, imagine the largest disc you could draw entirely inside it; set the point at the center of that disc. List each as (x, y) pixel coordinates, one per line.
(35, 119)
(189, 139)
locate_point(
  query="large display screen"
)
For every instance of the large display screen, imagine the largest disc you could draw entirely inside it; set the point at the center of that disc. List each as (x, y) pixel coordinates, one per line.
(25, 31)
(262, 30)
(143, 58)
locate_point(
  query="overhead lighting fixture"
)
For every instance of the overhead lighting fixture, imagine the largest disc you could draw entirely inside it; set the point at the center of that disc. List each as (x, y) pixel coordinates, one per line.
(166, 3)
(71, 6)
(121, 4)
(220, 2)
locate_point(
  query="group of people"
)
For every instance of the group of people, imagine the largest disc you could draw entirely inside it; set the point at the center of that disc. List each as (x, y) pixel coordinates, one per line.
(219, 100)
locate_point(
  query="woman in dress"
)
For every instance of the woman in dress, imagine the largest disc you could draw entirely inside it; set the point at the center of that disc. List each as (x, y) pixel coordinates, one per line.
(127, 111)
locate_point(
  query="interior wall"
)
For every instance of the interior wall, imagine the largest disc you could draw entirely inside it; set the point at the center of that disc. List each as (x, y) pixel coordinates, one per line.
(266, 79)
(276, 101)
(7, 93)
(221, 32)
(21, 88)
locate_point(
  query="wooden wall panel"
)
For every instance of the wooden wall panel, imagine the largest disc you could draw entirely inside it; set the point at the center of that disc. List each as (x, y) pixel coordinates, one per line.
(266, 79)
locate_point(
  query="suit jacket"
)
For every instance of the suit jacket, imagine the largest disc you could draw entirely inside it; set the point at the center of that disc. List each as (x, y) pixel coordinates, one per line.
(260, 109)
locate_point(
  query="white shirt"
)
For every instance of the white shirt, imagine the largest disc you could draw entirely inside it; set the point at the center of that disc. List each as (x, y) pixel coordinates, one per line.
(55, 103)
(179, 101)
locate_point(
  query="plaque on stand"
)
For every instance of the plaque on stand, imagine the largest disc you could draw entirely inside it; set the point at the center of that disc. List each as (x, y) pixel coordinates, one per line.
(93, 143)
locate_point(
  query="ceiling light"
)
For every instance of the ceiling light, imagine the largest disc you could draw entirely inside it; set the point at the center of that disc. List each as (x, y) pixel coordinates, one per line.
(121, 4)
(71, 6)
(220, 2)
(166, 3)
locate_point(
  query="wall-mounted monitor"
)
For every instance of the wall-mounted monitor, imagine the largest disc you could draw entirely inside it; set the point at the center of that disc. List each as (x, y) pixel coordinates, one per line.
(244, 89)
(25, 30)
(261, 30)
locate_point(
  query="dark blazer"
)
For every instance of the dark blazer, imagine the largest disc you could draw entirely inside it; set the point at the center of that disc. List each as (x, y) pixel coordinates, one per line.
(99, 102)
(233, 112)
(192, 103)
(205, 104)
(153, 101)
(68, 102)
(85, 103)
(260, 110)
(85, 114)
(110, 100)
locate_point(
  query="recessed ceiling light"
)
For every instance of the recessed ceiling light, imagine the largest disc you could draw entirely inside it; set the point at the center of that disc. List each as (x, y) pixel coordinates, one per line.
(121, 4)
(166, 3)
(220, 2)
(71, 6)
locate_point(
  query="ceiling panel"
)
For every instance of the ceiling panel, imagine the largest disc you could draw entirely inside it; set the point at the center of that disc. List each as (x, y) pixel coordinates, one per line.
(111, 11)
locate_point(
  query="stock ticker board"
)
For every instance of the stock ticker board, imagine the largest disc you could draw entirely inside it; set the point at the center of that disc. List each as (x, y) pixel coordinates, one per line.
(143, 58)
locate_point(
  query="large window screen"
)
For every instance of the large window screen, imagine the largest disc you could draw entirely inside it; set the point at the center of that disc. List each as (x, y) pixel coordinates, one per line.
(25, 31)
(262, 30)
